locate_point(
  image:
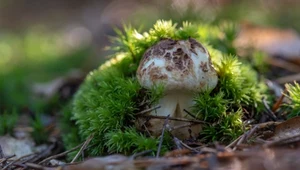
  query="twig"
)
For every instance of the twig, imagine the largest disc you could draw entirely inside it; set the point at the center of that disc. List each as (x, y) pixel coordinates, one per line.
(14, 161)
(1, 153)
(42, 154)
(162, 136)
(148, 110)
(232, 144)
(284, 64)
(265, 124)
(180, 126)
(188, 147)
(177, 143)
(147, 130)
(245, 137)
(34, 166)
(251, 132)
(287, 140)
(289, 78)
(189, 113)
(140, 154)
(60, 154)
(174, 118)
(269, 111)
(21, 165)
(241, 140)
(6, 158)
(83, 147)
(279, 101)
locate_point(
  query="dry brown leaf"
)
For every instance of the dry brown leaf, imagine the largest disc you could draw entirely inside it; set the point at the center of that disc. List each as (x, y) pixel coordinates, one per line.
(287, 129)
(258, 159)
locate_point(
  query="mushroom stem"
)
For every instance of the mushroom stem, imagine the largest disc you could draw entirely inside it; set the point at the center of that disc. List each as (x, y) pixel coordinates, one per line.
(173, 104)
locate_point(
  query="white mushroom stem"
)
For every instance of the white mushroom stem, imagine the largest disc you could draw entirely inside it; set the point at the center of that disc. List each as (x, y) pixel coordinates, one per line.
(173, 104)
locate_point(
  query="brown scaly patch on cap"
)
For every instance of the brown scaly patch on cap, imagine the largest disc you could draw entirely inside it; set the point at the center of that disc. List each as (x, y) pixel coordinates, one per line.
(178, 52)
(168, 56)
(167, 44)
(195, 44)
(155, 74)
(169, 68)
(203, 66)
(210, 62)
(158, 51)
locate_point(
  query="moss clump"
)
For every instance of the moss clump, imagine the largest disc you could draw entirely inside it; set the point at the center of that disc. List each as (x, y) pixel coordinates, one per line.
(108, 100)
(8, 121)
(294, 95)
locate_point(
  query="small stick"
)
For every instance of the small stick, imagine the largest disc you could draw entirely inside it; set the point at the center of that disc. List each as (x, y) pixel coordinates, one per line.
(188, 147)
(177, 143)
(34, 166)
(240, 141)
(287, 140)
(251, 132)
(189, 113)
(148, 110)
(60, 154)
(180, 126)
(265, 124)
(83, 147)
(162, 136)
(6, 158)
(147, 130)
(288, 79)
(284, 64)
(279, 101)
(140, 154)
(269, 111)
(175, 118)
(41, 154)
(14, 161)
(245, 136)
(1, 153)
(234, 142)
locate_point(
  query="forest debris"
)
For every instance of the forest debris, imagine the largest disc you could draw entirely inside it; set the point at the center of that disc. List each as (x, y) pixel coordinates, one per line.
(85, 144)
(259, 159)
(61, 154)
(287, 129)
(288, 78)
(285, 64)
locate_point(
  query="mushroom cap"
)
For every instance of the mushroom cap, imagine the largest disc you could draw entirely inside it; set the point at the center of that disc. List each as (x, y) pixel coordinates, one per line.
(178, 65)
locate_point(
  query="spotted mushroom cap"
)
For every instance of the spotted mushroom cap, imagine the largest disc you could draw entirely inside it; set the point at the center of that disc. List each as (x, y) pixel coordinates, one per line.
(179, 65)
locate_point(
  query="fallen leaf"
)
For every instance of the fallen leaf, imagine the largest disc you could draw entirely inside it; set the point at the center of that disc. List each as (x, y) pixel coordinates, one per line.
(259, 159)
(287, 129)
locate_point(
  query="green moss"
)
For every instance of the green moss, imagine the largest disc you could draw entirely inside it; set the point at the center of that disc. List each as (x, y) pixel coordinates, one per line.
(294, 95)
(129, 141)
(108, 100)
(8, 121)
(69, 131)
(227, 128)
(39, 133)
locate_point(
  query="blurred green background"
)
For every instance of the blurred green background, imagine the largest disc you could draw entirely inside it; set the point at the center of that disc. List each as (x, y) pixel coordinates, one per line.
(41, 40)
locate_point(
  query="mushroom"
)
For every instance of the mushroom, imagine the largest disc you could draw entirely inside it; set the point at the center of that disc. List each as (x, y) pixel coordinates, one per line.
(184, 68)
